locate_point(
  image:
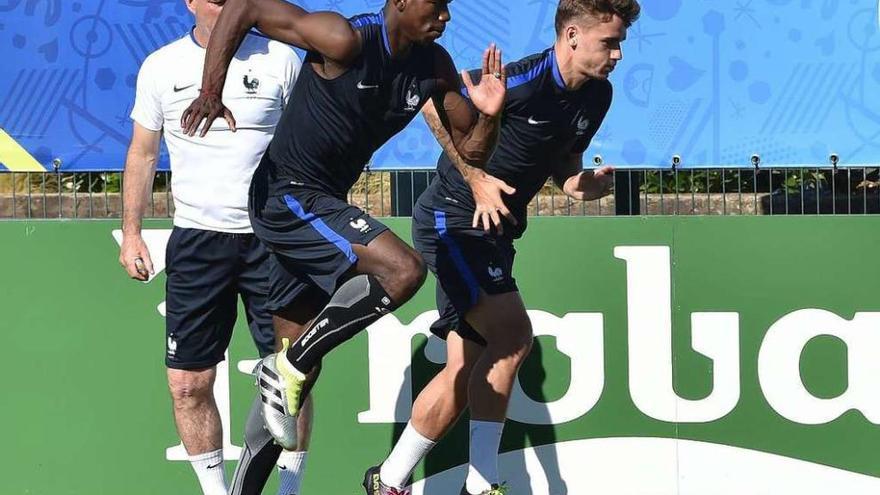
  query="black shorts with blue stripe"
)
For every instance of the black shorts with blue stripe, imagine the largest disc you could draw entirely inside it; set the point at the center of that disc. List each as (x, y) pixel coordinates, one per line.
(310, 233)
(466, 261)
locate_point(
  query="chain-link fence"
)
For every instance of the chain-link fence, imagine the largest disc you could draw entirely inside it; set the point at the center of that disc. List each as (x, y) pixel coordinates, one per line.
(672, 191)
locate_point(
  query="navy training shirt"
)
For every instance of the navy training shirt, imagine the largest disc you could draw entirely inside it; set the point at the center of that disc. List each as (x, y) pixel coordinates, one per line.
(331, 128)
(543, 123)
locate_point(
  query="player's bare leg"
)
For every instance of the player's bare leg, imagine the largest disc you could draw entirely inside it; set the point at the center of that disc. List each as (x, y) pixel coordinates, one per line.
(434, 412)
(501, 320)
(198, 424)
(442, 401)
(481, 377)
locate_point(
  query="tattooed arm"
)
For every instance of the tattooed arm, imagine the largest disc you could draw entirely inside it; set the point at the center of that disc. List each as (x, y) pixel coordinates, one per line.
(487, 190)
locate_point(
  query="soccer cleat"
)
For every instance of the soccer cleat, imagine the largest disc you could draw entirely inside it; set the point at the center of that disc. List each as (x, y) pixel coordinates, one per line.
(374, 486)
(280, 385)
(495, 490)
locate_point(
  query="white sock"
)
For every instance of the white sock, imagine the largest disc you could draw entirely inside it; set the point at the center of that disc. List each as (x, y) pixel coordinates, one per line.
(408, 451)
(290, 469)
(209, 469)
(483, 467)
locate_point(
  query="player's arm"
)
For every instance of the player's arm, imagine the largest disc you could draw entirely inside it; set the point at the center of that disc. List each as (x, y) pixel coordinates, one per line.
(485, 188)
(569, 174)
(327, 33)
(474, 134)
(140, 168)
(469, 137)
(580, 184)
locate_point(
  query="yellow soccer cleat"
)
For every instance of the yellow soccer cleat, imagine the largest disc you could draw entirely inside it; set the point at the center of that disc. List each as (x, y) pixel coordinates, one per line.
(495, 490)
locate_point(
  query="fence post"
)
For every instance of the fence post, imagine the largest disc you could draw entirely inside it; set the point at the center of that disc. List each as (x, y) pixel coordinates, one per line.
(626, 192)
(406, 188)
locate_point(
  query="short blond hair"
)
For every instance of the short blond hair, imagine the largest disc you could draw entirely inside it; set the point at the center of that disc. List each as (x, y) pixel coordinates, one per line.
(603, 10)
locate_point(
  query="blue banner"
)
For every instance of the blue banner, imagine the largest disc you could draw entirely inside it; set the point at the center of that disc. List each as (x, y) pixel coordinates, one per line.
(713, 81)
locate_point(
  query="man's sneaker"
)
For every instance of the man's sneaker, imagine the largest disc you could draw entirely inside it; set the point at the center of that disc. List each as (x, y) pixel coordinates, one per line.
(495, 490)
(374, 486)
(280, 385)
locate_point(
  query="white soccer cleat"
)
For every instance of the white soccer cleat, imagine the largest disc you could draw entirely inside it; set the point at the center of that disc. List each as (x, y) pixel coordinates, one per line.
(280, 386)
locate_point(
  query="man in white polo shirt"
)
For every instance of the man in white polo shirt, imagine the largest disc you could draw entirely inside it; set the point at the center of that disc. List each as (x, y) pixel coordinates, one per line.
(212, 256)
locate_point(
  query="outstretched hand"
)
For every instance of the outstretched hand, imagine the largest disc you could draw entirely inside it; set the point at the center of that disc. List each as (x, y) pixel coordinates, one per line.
(489, 92)
(490, 207)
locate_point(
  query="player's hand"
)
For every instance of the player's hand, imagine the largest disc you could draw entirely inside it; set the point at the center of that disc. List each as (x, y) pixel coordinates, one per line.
(207, 107)
(135, 257)
(487, 192)
(595, 184)
(489, 92)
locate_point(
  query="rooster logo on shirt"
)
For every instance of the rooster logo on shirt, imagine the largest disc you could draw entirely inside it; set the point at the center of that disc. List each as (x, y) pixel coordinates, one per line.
(582, 125)
(251, 85)
(412, 100)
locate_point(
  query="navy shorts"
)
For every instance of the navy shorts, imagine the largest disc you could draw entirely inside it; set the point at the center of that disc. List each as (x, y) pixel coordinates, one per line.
(466, 262)
(311, 234)
(206, 273)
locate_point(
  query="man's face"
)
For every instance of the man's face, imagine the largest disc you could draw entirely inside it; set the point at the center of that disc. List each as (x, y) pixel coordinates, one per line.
(206, 12)
(598, 47)
(424, 21)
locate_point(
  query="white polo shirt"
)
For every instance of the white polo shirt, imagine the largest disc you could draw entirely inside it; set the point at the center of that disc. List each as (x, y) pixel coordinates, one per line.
(210, 176)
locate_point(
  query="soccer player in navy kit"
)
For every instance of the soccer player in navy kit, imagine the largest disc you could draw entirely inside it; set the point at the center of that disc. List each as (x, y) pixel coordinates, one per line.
(556, 102)
(363, 80)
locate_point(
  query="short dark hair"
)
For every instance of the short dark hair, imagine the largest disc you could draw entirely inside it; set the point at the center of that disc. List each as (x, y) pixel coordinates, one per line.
(603, 10)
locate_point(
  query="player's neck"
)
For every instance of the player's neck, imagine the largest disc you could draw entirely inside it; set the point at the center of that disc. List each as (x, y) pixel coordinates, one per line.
(398, 44)
(565, 61)
(201, 34)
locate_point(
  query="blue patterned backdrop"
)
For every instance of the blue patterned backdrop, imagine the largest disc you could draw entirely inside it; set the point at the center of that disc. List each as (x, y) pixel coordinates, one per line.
(711, 80)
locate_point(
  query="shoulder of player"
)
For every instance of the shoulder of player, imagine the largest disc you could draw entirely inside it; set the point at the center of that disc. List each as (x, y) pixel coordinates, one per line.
(524, 77)
(161, 65)
(524, 74)
(525, 64)
(169, 52)
(368, 26)
(365, 19)
(258, 43)
(368, 32)
(281, 52)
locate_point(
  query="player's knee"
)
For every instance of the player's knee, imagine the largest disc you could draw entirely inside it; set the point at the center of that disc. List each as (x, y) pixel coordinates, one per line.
(186, 394)
(524, 347)
(458, 372)
(409, 274)
(516, 344)
(188, 388)
(459, 381)
(458, 367)
(519, 348)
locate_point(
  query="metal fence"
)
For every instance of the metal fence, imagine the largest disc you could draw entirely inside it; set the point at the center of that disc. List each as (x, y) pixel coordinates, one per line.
(670, 191)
